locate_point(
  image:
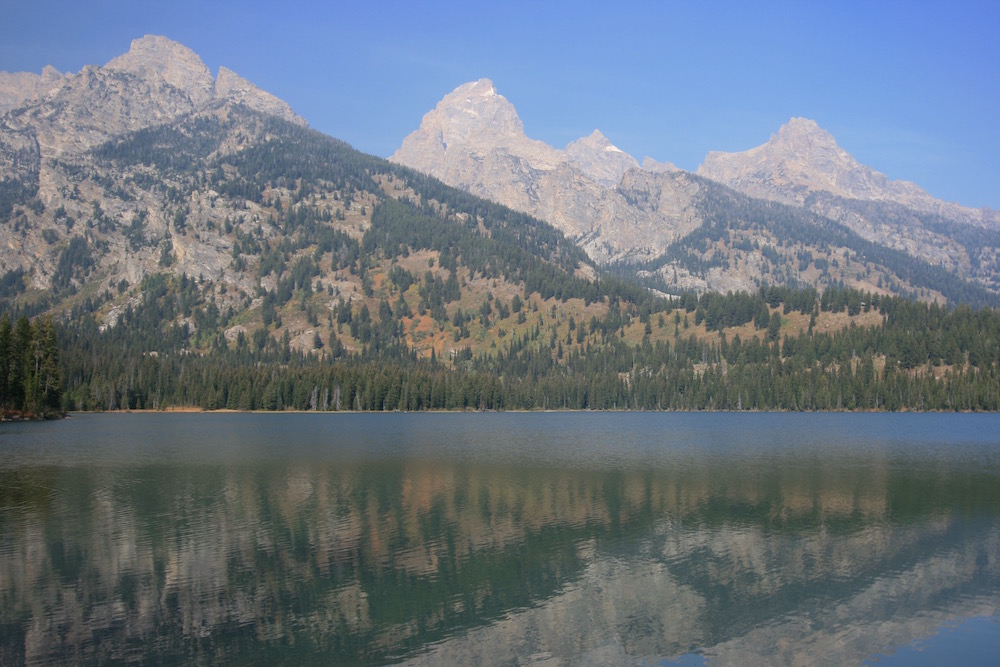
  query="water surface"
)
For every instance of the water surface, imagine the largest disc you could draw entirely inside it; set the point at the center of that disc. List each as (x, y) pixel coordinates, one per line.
(508, 539)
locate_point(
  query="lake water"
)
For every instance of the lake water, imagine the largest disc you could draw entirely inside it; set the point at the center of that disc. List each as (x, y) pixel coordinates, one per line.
(501, 539)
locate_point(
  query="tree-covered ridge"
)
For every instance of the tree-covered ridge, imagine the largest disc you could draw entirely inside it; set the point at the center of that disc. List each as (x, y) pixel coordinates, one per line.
(776, 349)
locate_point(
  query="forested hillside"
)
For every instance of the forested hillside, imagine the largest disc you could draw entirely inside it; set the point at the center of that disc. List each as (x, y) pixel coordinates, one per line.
(778, 349)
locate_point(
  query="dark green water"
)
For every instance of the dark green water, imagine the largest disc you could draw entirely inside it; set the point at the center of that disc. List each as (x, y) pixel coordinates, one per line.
(501, 539)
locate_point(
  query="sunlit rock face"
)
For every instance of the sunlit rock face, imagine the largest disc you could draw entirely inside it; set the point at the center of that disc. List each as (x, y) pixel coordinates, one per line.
(156, 81)
(802, 159)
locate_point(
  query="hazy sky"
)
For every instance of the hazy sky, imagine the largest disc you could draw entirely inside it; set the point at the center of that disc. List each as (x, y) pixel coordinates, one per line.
(909, 88)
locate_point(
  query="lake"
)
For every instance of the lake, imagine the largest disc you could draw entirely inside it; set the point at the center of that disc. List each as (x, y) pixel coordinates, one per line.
(501, 539)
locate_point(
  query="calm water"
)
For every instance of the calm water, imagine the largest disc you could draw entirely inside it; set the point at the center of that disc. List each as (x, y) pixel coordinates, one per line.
(501, 539)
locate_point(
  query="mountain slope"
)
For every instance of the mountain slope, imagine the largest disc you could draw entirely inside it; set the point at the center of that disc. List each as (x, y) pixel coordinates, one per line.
(803, 165)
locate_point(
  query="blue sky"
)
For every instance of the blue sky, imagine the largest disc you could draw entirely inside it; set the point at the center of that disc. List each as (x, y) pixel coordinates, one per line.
(909, 88)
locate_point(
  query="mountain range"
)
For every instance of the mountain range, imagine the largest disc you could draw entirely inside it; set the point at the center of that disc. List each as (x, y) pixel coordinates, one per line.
(841, 223)
(624, 212)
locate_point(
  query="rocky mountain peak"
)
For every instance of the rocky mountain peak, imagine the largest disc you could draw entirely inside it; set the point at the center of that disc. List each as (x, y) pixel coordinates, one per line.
(155, 82)
(473, 131)
(153, 57)
(476, 109)
(600, 159)
(649, 164)
(803, 129)
(800, 158)
(595, 139)
(803, 140)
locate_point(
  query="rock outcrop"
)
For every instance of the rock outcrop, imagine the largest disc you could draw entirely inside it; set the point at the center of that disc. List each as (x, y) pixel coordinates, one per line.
(50, 126)
(599, 159)
(19, 87)
(231, 86)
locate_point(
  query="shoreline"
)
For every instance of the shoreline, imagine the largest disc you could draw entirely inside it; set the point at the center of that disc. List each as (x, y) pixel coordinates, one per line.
(196, 410)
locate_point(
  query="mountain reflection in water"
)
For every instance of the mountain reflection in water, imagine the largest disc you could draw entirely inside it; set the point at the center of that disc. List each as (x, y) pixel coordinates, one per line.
(493, 539)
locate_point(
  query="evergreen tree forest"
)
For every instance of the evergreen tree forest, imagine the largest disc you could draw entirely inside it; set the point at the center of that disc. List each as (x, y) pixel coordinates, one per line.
(30, 382)
(916, 357)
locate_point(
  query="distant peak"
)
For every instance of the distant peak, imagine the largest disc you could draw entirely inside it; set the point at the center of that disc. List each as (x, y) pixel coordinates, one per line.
(482, 87)
(651, 165)
(154, 56)
(804, 128)
(50, 73)
(594, 140)
(155, 51)
(600, 159)
(474, 92)
(477, 104)
(802, 123)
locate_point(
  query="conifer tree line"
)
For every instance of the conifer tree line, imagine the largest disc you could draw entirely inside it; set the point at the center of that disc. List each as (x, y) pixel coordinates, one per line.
(30, 375)
(919, 357)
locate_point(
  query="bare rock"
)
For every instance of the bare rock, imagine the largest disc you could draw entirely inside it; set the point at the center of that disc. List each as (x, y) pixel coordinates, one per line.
(232, 87)
(802, 158)
(155, 58)
(19, 87)
(599, 159)
(593, 191)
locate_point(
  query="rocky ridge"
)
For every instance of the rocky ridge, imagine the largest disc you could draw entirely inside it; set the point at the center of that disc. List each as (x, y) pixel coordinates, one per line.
(156, 81)
(16, 88)
(802, 159)
(675, 229)
(50, 126)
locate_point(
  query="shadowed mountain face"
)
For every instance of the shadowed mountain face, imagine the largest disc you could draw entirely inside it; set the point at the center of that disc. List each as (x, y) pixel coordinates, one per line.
(600, 197)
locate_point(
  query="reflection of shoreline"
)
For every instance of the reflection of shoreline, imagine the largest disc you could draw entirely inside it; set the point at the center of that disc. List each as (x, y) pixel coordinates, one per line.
(185, 553)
